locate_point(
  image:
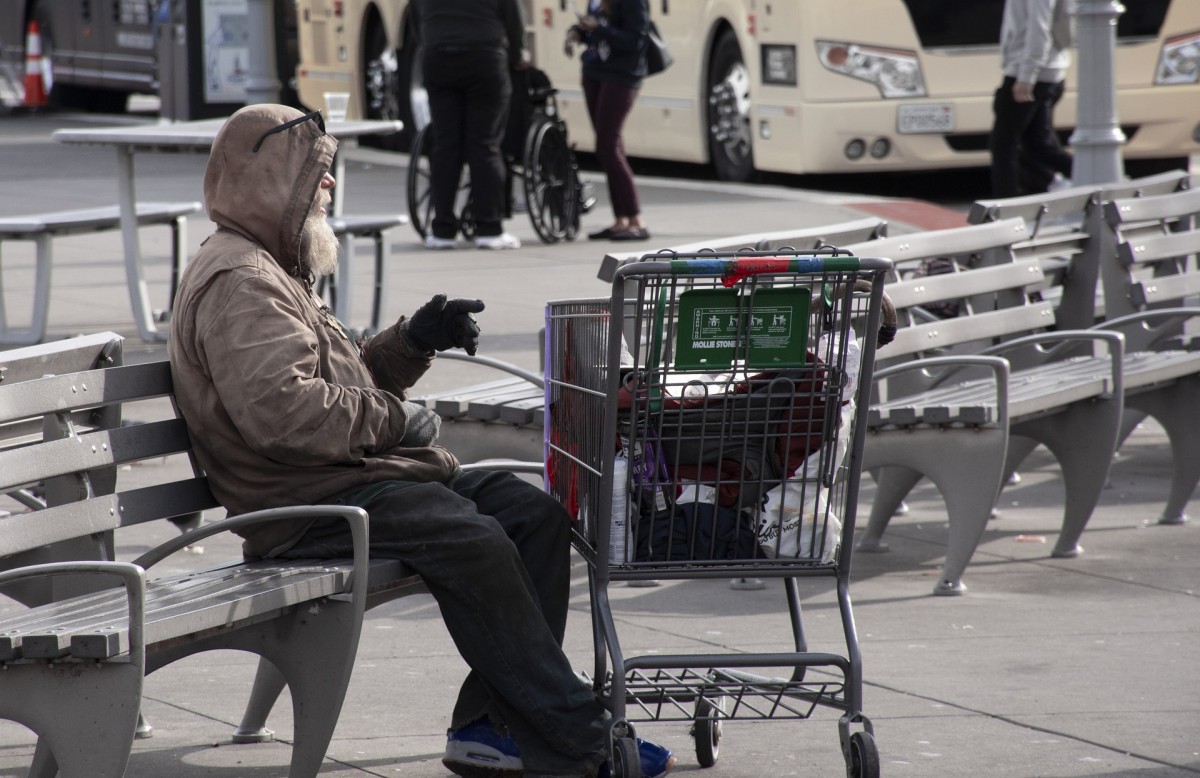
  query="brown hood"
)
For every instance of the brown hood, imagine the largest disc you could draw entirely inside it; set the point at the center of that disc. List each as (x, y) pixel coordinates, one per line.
(266, 195)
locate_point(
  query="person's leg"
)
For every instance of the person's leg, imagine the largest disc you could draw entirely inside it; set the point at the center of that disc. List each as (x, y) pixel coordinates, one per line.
(447, 155)
(506, 620)
(1008, 126)
(613, 103)
(487, 102)
(1039, 141)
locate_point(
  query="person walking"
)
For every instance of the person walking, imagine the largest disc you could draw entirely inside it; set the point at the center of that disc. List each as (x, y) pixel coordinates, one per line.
(613, 66)
(1027, 157)
(283, 408)
(469, 49)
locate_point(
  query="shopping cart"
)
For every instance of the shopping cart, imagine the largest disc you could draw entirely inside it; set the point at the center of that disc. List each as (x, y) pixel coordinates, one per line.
(700, 424)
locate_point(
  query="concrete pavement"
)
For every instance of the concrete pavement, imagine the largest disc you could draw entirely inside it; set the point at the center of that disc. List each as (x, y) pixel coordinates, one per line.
(1046, 667)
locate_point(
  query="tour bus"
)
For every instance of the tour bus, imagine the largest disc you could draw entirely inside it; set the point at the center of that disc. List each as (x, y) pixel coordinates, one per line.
(792, 86)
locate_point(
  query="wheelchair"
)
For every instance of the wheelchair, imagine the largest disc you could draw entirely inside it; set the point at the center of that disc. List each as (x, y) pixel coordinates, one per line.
(538, 156)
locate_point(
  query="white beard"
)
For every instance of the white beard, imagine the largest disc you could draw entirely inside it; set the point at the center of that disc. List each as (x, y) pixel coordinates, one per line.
(319, 246)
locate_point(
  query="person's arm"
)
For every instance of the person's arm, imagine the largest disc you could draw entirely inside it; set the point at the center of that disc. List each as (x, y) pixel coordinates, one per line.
(635, 24)
(1038, 46)
(264, 365)
(514, 27)
(394, 360)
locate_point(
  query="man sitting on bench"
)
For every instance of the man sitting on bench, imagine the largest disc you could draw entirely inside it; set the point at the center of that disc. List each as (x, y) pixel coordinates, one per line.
(283, 409)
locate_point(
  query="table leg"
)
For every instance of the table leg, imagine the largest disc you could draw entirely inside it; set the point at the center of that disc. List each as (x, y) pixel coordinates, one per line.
(139, 296)
(345, 269)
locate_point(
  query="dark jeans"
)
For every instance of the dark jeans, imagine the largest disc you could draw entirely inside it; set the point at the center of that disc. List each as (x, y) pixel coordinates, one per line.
(469, 92)
(608, 105)
(494, 551)
(1025, 151)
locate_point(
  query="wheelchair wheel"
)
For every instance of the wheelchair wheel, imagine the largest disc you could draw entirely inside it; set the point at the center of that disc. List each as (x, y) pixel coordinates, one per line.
(420, 190)
(551, 184)
(420, 193)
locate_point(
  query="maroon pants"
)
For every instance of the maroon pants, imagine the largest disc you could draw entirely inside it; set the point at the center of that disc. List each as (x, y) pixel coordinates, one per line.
(608, 104)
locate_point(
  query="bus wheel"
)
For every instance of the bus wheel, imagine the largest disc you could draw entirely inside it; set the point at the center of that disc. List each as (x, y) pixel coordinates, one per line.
(729, 140)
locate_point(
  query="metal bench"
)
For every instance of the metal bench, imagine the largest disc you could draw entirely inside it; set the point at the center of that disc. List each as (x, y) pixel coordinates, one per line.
(1152, 295)
(955, 397)
(43, 228)
(93, 646)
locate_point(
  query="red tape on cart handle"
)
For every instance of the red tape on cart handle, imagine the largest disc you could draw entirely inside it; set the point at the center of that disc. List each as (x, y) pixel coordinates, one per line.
(737, 269)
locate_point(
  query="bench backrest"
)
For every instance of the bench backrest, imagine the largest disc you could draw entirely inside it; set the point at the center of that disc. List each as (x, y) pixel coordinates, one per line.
(72, 460)
(1066, 228)
(960, 290)
(1157, 259)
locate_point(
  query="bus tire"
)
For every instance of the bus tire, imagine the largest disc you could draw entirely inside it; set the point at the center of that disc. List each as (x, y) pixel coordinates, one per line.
(380, 83)
(730, 144)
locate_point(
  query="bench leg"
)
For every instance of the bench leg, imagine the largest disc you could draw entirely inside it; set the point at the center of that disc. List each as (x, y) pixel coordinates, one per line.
(313, 649)
(88, 738)
(1174, 408)
(966, 466)
(1083, 439)
(268, 685)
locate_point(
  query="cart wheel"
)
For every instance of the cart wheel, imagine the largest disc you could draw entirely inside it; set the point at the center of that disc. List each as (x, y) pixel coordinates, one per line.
(626, 761)
(707, 731)
(550, 190)
(420, 194)
(863, 759)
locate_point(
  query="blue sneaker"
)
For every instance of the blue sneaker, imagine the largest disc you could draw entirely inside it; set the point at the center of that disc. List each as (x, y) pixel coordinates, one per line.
(656, 760)
(481, 750)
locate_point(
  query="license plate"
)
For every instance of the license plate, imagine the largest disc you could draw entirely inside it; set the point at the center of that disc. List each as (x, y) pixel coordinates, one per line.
(916, 118)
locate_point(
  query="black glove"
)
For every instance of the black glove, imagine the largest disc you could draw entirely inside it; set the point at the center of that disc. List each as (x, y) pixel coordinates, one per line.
(422, 425)
(440, 325)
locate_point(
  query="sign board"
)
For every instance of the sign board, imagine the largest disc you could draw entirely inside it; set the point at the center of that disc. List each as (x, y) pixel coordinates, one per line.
(717, 327)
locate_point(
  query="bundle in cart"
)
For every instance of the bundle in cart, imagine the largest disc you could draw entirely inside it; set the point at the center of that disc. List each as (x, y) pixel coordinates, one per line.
(701, 423)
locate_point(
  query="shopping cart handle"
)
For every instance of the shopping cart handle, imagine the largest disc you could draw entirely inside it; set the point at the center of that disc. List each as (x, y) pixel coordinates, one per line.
(736, 269)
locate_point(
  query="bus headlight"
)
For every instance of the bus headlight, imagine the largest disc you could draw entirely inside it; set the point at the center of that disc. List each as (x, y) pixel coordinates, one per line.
(897, 73)
(1179, 62)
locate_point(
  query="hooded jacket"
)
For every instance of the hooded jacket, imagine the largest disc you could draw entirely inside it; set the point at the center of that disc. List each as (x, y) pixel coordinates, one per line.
(282, 408)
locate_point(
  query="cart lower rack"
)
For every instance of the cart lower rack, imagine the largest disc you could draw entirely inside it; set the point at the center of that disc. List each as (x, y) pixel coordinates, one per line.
(701, 423)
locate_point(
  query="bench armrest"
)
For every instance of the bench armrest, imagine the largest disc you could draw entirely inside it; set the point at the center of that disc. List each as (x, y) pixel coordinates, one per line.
(132, 575)
(998, 365)
(507, 367)
(1062, 339)
(356, 517)
(1160, 316)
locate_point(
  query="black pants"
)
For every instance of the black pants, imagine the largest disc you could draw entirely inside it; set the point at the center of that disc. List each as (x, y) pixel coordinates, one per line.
(469, 92)
(1025, 151)
(494, 551)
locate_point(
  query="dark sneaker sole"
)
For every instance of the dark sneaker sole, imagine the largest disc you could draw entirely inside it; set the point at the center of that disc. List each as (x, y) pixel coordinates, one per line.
(478, 771)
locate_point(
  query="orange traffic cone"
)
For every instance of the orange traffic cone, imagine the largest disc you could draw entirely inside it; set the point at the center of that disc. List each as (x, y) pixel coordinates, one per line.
(35, 84)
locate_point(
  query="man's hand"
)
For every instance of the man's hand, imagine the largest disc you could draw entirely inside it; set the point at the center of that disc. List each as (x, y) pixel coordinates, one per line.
(1022, 93)
(440, 325)
(421, 426)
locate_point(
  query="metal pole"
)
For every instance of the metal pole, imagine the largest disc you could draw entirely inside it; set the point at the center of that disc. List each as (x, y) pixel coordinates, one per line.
(1097, 139)
(261, 84)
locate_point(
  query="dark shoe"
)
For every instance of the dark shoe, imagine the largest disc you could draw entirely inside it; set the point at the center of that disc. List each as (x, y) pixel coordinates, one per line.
(479, 749)
(634, 233)
(603, 234)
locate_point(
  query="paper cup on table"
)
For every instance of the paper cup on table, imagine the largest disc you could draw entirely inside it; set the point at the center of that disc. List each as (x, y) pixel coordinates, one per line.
(335, 106)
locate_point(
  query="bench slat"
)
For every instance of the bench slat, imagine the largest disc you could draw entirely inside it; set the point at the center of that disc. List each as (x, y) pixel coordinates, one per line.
(25, 531)
(92, 450)
(74, 391)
